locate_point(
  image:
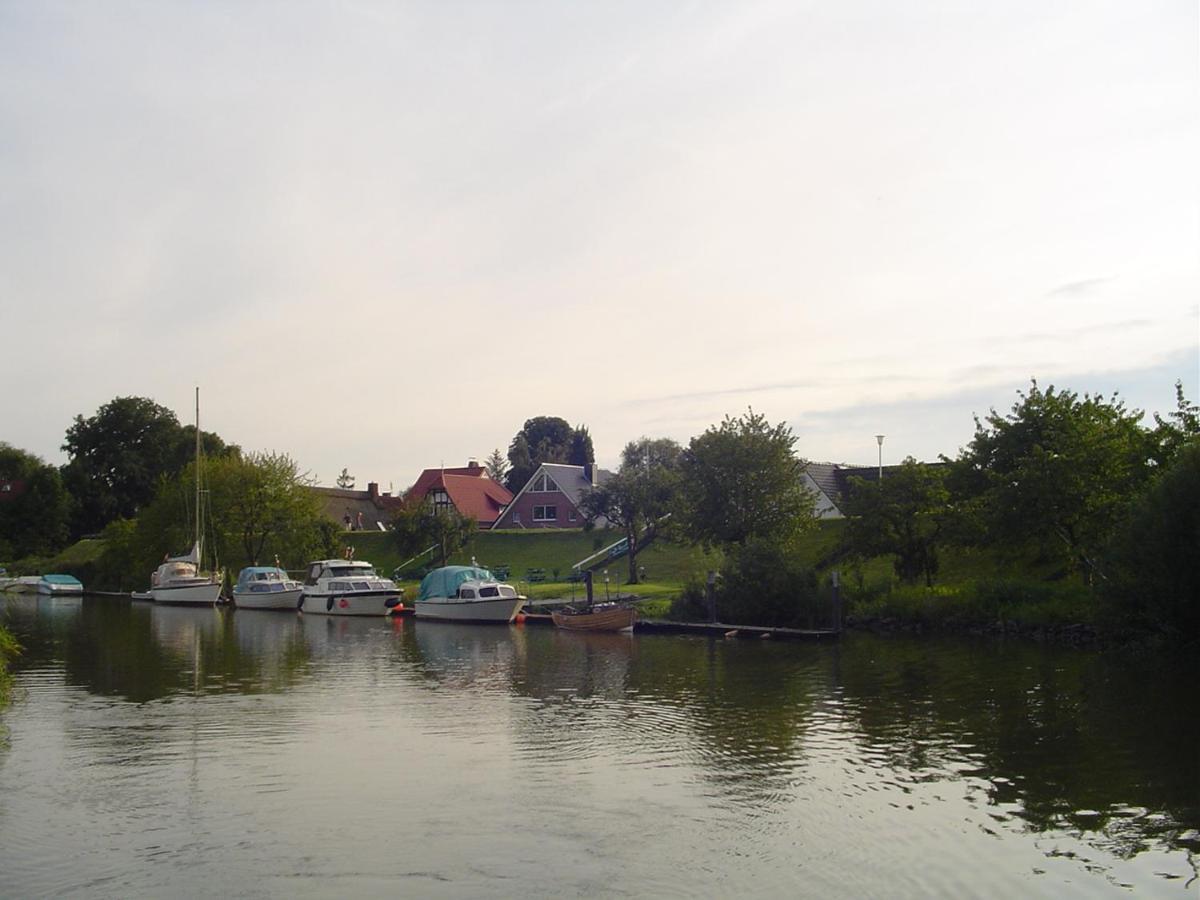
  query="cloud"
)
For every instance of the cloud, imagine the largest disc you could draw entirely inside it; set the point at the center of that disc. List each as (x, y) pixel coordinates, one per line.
(1080, 288)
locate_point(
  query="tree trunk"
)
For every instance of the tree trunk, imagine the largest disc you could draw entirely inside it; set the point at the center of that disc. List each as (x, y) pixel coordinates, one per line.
(631, 540)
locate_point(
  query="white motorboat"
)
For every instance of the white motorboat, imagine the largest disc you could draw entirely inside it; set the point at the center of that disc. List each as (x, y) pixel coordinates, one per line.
(59, 584)
(26, 584)
(467, 594)
(266, 587)
(348, 587)
(179, 579)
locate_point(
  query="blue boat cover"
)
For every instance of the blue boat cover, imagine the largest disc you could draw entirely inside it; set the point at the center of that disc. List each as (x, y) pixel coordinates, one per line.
(60, 579)
(444, 582)
(248, 574)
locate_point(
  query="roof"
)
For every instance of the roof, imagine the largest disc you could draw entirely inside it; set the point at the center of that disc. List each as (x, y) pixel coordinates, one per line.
(470, 489)
(834, 478)
(337, 503)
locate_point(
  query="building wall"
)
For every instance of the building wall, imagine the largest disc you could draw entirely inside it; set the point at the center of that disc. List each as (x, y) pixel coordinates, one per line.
(520, 514)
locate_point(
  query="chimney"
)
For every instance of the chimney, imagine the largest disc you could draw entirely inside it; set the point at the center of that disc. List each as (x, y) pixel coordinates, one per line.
(372, 489)
(589, 472)
(473, 465)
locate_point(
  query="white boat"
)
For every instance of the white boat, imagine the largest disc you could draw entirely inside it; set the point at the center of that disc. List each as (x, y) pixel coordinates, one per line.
(59, 584)
(26, 584)
(466, 594)
(348, 587)
(179, 579)
(266, 587)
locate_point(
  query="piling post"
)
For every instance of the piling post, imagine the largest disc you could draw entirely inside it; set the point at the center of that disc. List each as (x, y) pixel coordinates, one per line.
(710, 589)
(837, 603)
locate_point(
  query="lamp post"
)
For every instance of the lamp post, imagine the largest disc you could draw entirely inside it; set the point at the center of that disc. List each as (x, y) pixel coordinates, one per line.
(879, 440)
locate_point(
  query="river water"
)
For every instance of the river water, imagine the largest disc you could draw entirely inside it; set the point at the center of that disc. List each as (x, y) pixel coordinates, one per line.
(154, 752)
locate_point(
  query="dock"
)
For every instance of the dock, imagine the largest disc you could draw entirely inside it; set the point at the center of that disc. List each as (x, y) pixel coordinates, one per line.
(711, 629)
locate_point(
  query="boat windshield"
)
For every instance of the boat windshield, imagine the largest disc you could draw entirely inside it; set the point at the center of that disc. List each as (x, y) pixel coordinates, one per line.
(351, 571)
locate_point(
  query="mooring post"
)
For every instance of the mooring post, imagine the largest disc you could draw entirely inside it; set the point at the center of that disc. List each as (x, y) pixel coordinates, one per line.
(837, 603)
(587, 580)
(711, 591)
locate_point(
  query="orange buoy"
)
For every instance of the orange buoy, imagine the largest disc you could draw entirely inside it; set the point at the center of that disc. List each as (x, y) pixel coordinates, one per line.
(520, 618)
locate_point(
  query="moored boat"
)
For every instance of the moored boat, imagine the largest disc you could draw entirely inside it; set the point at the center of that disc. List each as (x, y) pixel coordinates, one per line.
(348, 587)
(266, 587)
(59, 584)
(466, 594)
(600, 617)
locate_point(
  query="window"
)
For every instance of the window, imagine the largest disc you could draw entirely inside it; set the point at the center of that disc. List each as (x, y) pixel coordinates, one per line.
(440, 500)
(466, 593)
(571, 515)
(516, 517)
(543, 485)
(545, 513)
(489, 592)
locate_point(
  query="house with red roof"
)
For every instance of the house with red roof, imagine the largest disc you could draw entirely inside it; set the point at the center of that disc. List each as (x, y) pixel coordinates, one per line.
(468, 489)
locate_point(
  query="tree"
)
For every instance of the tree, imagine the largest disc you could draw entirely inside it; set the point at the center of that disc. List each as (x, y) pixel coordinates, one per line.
(259, 507)
(1057, 471)
(741, 480)
(1174, 432)
(581, 452)
(546, 439)
(35, 509)
(641, 492)
(903, 515)
(118, 456)
(496, 465)
(1154, 558)
(345, 480)
(419, 525)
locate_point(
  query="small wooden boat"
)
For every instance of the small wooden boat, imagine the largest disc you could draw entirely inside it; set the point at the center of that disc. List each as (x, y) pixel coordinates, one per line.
(600, 617)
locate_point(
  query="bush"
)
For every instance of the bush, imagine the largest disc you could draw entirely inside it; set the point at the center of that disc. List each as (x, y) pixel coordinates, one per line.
(762, 583)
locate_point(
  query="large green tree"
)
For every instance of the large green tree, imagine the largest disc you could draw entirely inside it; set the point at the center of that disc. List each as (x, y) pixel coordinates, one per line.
(546, 439)
(741, 480)
(641, 492)
(34, 509)
(1056, 472)
(118, 455)
(904, 515)
(257, 507)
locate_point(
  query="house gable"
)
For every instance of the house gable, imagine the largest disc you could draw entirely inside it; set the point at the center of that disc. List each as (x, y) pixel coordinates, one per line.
(551, 498)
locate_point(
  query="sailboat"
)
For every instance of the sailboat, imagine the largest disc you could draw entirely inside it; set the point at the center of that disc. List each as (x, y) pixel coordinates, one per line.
(595, 616)
(179, 579)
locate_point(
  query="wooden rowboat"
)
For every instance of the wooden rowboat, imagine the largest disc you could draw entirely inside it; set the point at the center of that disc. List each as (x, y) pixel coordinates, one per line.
(598, 618)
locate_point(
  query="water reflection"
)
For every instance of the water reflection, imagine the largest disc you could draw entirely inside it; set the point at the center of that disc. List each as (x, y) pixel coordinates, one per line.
(849, 746)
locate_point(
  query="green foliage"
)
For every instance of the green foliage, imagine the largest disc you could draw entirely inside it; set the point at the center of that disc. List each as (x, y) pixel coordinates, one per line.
(259, 508)
(35, 515)
(904, 516)
(641, 492)
(763, 583)
(1057, 471)
(1154, 558)
(741, 481)
(1177, 430)
(8, 649)
(497, 466)
(118, 456)
(420, 525)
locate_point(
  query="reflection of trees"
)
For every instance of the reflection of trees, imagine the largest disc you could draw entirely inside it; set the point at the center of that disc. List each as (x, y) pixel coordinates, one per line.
(142, 652)
(1079, 739)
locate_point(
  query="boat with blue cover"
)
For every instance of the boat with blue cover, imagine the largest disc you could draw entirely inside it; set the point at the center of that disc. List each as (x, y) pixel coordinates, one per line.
(466, 594)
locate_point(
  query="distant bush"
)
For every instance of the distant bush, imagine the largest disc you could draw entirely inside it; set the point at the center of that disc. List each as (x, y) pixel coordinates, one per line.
(763, 583)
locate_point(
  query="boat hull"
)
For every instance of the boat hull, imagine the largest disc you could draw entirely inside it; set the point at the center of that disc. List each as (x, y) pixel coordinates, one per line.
(616, 619)
(289, 599)
(60, 590)
(199, 593)
(349, 603)
(497, 609)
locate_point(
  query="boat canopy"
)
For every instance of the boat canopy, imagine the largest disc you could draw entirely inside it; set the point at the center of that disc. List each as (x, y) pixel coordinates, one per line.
(259, 573)
(444, 582)
(60, 579)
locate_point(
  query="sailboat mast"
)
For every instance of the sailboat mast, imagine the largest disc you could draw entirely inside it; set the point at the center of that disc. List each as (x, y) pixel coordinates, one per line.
(197, 533)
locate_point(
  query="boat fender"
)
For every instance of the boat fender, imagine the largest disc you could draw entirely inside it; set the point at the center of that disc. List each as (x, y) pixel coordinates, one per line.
(329, 604)
(393, 602)
(300, 604)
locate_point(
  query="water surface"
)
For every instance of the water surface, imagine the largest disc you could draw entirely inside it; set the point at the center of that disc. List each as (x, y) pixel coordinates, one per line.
(155, 751)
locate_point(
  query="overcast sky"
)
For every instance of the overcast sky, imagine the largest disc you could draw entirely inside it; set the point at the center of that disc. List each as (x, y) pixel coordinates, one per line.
(382, 235)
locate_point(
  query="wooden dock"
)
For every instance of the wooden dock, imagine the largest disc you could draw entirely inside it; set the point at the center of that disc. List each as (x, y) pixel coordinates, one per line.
(711, 629)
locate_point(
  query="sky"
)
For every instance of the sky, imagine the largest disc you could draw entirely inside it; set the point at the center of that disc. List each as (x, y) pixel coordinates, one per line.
(380, 236)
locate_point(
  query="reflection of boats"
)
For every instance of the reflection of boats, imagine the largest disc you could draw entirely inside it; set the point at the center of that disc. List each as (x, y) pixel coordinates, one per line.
(179, 579)
(266, 587)
(466, 594)
(59, 584)
(599, 617)
(347, 587)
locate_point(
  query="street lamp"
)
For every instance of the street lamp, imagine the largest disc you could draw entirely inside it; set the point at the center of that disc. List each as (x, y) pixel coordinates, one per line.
(879, 440)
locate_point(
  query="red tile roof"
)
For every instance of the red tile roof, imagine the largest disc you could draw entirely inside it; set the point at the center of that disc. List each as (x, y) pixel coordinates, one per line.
(470, 489)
